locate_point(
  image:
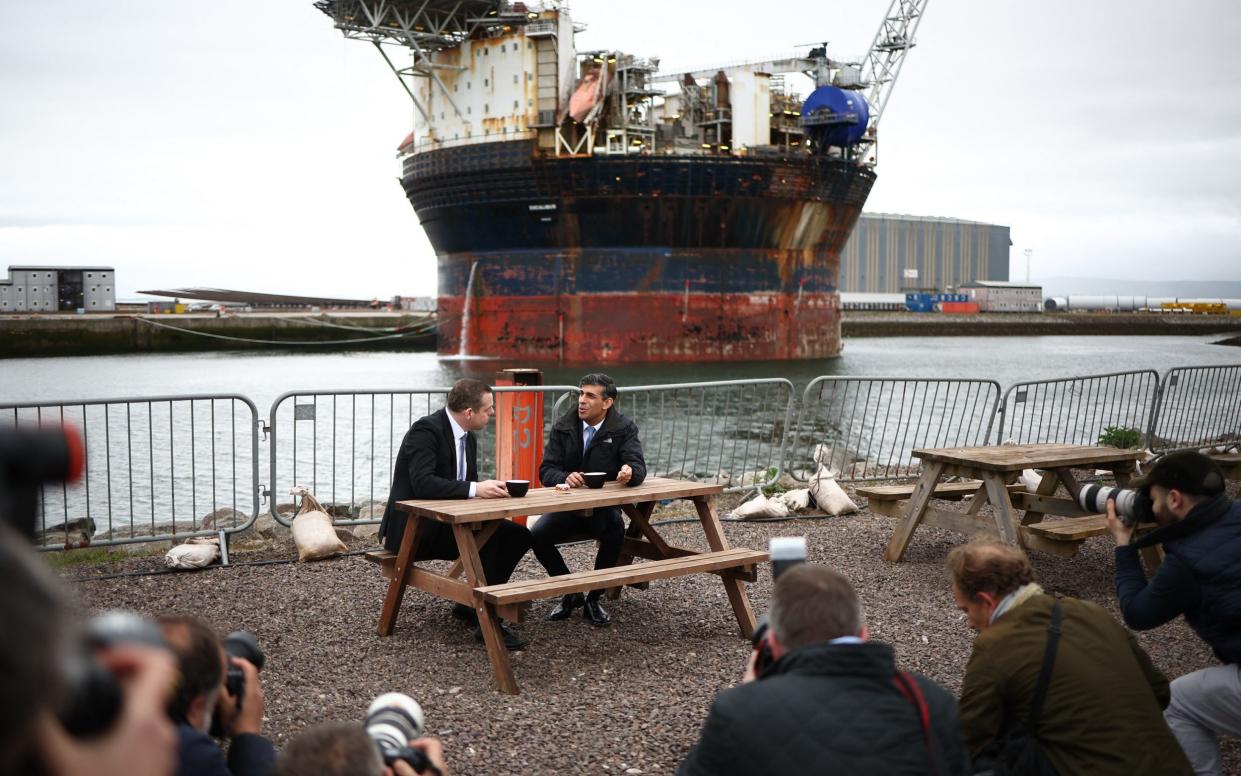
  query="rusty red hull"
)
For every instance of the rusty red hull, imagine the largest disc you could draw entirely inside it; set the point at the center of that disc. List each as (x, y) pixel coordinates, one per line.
(606, 259)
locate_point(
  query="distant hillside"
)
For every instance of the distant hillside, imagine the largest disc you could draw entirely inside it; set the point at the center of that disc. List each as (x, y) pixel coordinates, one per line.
(1064, 286)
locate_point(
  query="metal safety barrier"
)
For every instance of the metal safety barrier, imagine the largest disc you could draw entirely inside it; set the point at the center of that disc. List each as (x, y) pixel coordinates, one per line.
(1111, 409)
(730, 432)
(342, 445)
(865, 428)
(1199, 406)
(157, 468)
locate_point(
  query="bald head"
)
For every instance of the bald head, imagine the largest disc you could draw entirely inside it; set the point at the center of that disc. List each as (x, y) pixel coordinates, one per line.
(986, 566)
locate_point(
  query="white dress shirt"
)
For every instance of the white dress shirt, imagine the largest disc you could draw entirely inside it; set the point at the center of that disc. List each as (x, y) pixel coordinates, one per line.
(458, 434)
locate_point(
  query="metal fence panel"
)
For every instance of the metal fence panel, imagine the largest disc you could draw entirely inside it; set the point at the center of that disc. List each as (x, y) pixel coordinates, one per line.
(1077, 410)
(156, 468)
(865, 428)
(1199, 406)
(342, 445)
(731, 431)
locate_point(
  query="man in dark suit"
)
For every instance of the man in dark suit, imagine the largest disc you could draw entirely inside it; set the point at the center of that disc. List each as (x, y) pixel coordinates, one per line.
(439, 460)
(594, 437)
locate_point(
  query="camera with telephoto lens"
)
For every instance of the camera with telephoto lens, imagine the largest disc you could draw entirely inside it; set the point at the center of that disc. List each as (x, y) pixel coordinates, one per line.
(392, 721)
(1133, 506)
(244, 645)
(785, 552)
(93, 699)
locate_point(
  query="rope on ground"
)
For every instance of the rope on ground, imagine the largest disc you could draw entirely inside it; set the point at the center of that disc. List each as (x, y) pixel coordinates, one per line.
(279, 342)
(327, 322)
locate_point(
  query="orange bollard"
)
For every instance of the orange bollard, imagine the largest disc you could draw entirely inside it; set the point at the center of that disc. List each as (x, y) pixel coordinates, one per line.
(519, 428)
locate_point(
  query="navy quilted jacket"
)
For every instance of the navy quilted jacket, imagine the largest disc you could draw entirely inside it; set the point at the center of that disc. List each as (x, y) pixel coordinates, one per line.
(827, 709)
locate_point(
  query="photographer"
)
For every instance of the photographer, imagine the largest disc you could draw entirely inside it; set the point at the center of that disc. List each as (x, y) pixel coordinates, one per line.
(202, 696)
(832, 702)
(345, 749)
(34, 652)
(1200, 577)
(1055, 679)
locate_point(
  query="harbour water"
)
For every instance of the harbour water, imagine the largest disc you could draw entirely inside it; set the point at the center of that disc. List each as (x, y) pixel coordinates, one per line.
(265, 376)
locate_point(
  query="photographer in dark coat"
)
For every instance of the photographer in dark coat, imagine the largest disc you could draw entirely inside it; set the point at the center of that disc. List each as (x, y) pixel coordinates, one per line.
(202, 694)
(832, 702)
(594, 437)
(1200, 577)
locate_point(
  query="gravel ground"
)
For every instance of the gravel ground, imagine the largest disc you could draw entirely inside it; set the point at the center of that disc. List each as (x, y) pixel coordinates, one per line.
(626, 699)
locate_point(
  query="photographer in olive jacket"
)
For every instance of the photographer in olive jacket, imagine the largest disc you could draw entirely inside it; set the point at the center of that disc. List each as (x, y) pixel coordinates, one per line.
(1200, 577)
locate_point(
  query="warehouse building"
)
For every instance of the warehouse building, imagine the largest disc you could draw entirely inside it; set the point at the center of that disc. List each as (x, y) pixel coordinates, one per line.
(894, 253)
(33, 289)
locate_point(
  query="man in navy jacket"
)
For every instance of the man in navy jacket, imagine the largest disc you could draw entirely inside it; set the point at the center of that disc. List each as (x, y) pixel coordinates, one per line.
(438, 459)
(593, 437)
(1200, 577)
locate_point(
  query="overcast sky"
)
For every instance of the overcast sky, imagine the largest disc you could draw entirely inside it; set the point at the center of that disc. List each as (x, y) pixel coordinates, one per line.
(246, 144)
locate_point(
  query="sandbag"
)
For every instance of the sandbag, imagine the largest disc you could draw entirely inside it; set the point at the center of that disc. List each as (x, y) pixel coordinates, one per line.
(1031, 479)
(194, 554)
(760, 506)
(828, 494)
(796, 500)
(312, 530)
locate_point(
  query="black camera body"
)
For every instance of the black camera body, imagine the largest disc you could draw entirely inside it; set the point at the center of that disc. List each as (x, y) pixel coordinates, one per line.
(785, 552)
(31, 457)
(244, 645)
(93, 698)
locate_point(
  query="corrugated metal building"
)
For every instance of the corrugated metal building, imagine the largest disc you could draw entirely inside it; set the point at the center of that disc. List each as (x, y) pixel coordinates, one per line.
(944, 252)
(64, 289)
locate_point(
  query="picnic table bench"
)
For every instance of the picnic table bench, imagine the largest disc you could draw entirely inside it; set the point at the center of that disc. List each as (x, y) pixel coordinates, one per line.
(474, 522)
(994, 470)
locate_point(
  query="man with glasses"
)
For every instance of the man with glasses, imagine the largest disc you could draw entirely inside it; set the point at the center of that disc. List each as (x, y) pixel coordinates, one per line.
(439, 460)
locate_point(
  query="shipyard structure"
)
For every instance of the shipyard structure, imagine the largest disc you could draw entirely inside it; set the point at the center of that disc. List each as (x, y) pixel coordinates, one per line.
(586, 207)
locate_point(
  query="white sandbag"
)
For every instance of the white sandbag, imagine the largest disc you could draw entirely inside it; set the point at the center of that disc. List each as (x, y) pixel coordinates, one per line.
(796, 500)
(761, 506)
(312, 529)
(194, 554)
(828, 494)
(1030, 480)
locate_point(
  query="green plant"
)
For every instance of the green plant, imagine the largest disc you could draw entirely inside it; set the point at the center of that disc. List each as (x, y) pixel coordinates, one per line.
(1122, 437)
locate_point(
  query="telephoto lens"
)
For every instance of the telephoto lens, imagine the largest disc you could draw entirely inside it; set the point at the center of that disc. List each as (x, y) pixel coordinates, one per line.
(786, 552)
(93, 699)
(392, 721)
(1132, 506)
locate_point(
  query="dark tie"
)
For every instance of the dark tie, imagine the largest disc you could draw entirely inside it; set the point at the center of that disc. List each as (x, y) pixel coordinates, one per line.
(590, 435)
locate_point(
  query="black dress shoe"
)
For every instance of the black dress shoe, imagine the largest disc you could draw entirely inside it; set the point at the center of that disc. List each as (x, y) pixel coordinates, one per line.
(566, 606)
(512, 641)
(464, 613)
(595, 613)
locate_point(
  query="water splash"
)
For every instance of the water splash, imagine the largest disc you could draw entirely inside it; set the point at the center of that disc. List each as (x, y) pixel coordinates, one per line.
(463, 347)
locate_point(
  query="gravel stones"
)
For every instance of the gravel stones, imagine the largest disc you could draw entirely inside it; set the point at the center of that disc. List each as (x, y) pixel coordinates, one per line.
(626, 699)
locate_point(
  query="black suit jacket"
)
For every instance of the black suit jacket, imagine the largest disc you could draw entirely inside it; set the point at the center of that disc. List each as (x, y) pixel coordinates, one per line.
(426, 467)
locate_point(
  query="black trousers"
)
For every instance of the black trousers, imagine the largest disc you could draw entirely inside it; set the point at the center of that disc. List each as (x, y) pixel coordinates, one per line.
(605, 525)
(499, 556)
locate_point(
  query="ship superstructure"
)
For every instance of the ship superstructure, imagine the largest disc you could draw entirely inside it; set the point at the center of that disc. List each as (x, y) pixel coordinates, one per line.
(586, 207)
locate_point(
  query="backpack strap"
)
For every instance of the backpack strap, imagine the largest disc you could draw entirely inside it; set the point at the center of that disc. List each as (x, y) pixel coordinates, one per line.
(908, 687)
(1049, 659)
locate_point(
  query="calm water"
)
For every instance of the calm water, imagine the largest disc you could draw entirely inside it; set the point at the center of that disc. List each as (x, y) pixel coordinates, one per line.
(263, 377)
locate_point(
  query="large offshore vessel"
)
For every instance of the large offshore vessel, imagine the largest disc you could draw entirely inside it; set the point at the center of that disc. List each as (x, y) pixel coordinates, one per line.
(585, 207)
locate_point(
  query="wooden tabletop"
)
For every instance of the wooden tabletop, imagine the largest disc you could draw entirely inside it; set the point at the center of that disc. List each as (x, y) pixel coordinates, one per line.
(1007, 458)
(540, 500)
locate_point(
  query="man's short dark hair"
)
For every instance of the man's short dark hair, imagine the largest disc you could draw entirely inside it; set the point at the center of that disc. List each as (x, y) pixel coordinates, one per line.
(603, 381)
(1188, 471)
(197, 648)
(986, 566)
(813, 604)
(331, 749)
(467, 394)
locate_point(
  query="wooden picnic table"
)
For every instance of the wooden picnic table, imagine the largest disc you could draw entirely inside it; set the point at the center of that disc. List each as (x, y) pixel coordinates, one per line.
(995, 469)
(474, 522)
